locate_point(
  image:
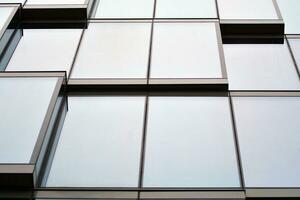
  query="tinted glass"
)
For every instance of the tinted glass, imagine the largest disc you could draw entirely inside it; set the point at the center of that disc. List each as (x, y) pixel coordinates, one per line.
(190, 143)
(114, 50)
(260, 67)
(23, 107)
(185, 50)
(247, 9)
(185, 9)
(45, 50)
(125, 9)
(268, 131)
(100, 143)
(290, 12)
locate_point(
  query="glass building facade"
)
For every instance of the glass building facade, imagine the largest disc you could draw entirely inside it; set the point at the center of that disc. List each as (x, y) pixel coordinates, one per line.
(149, 99)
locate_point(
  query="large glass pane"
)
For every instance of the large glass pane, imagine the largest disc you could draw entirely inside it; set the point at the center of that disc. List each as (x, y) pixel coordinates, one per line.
(260, 67)
(100, 143)
(45, 50)
(190, 143)
(23, 106)
(185, 9)
(247, 9)
(295, 45)
(114, 50)
(290, 10)
(125, 9)
(268, 131)
(185, 50)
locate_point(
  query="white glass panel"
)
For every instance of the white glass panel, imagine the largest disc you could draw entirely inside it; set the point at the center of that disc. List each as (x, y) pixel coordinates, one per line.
(125, 9)
(185, 50)
(100, 143)
(247, 9)
(55, 2)
(268, 131)
(23, 106)
(185, 9)
(190, 143)
(295, 45)
(45, 50)
(114, 50)
(290, 10)
(260, 67)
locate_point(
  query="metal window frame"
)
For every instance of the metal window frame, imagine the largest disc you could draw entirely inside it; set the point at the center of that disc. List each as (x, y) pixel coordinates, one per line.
(27, 175)
(254, 31)
(10, 35)
(56, 15)
(147, 83)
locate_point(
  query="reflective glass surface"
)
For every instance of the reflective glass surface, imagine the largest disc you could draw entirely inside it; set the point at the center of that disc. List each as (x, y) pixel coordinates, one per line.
(100, 143)
(260, 67)
(290, 10)
(247, 9)
(185, 50)
(185, 9)
(23, 107)
(113, 50)
(190, 143)
(295, 46)
(5, 12)
(268, 132)
(125, 9)
(45, 50)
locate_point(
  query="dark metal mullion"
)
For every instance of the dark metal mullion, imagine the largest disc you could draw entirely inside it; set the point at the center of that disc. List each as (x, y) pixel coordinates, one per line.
(236, 141)
(143, 147)
(293, 56)
(151, 43)
(217, 9)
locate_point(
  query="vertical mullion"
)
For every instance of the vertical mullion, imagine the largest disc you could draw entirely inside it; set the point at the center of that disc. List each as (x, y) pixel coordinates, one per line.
(143, 146)
(236, 141)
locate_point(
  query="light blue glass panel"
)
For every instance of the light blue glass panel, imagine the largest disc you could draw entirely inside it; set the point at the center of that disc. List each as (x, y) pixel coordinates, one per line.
(190, 143)
(100, 143)
(23, 106)
(268, 131)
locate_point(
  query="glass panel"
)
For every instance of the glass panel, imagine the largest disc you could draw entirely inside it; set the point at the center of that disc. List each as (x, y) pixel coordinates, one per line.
(268, 130)
(23, 106)
(295, 46)
(45, 50)
(125, 9)
(55, 2)
(5, 12)
(185, 9)
(185, 50)
(100, 143)
(260, 67)
(123, 52)
(190, 143)
(247, 9)
(290, 12)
